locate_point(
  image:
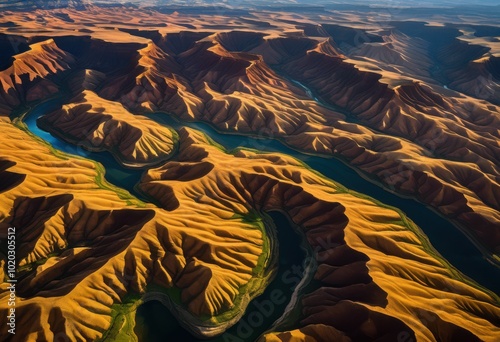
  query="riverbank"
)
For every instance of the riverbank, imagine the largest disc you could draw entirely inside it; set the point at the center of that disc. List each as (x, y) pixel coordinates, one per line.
(332, 168)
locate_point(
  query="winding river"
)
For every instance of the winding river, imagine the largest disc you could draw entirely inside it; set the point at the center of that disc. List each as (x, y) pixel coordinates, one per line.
(157, 323)
(446, 238)
(115, 173)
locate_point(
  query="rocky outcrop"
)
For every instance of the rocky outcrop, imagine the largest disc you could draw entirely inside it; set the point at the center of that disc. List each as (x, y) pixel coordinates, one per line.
(99, 125)
(29, 77)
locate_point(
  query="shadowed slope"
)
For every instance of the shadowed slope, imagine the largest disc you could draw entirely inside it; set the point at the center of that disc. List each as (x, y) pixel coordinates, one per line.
(28, 79)
(92, 253)
(443, 135)
(348, 233)
(97, 124)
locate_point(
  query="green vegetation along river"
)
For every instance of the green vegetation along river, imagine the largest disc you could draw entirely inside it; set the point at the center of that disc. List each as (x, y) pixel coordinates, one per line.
(443, 235)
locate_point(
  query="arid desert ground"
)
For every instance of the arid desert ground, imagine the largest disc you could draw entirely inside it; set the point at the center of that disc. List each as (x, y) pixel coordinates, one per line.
(249, 172)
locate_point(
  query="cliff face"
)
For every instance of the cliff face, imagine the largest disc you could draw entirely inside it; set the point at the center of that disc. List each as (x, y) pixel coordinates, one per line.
(230, 80)
(85, 245)
(29, 76)
(90, 252)
(386, 124)
(98, 125)
(373, 265)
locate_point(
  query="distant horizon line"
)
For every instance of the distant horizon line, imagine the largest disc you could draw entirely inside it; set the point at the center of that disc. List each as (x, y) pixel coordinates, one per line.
(256, 4)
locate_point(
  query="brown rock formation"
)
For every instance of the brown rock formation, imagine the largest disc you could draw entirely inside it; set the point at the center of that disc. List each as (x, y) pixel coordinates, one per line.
(98, 125)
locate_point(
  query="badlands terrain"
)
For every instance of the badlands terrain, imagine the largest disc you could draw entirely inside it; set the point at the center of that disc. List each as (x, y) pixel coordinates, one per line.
(184, 155)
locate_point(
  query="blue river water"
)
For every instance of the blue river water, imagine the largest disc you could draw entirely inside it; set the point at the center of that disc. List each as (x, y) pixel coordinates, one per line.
(445, 237)
(155, 323)
(115, 173)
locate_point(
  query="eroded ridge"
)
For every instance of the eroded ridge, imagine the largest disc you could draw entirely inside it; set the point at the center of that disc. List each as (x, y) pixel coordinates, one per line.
(90, 253)
(348, 232)
(100, 125)
(66, 261)
(398, 126)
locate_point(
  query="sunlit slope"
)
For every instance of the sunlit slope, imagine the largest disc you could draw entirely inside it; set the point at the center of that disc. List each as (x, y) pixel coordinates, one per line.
(234, 91)
(88, 250)
(84, 245)
(375, 268)
(389, 113)
(98, 125)
(29, 76)
(87, 245)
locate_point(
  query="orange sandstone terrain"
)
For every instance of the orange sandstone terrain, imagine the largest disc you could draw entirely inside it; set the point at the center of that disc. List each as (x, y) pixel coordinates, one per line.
(27, 79)
(376, 270)
(404, 136)
(106, 246)
(103, 125)
(411, 105)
